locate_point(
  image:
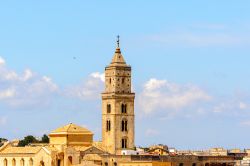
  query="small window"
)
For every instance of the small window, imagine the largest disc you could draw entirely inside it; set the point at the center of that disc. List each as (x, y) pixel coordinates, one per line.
(108, 125)
(124, 125)
(5, 162)
(110, 80)
(106, 164)
(42, 162)
(14, 162)
(108, 108)
(123, 80)
(124, 143)
(22, 162)
(124, 108)
(31, 162)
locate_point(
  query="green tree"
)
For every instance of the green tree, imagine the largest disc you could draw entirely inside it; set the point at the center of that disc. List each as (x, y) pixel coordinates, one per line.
(2, 140)
(27, 140)
(45, 139)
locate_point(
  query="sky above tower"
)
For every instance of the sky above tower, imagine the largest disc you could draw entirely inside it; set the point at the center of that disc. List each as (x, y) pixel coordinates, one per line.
(190, 66)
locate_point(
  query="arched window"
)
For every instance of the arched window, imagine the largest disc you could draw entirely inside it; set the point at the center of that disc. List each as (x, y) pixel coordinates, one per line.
(124, 108)
(123, 80)
(108, 108)
(124, 143)
(115, 163)
(13, 162)
(22, 162)
(108, 125)
(110, 80)
(106, 164)
(59, 162)
(124, 125)
(5, 162)
(42, 163)
(31, 162)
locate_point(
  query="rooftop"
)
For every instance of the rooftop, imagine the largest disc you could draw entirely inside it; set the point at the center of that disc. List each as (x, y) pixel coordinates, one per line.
(71, 129)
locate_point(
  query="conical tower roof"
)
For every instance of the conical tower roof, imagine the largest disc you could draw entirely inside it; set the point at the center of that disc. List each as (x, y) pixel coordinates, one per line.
(118, 59)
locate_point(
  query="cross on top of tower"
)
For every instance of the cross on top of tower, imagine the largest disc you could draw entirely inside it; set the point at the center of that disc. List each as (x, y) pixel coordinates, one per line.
(118, 41)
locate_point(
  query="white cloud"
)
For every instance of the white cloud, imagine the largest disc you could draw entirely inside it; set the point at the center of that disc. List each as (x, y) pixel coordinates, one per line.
(28, 89)
(90, 88)
(98, 75)
(7, 93)
(27, 75)
(2, 61)
(234, 105)
(170, 97)
(25, 90)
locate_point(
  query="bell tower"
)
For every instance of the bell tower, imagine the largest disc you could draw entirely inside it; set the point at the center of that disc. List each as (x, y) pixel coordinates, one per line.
(118, 106)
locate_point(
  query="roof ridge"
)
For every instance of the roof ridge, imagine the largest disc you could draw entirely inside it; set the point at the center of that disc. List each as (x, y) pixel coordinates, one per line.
(71, 128)
(69, 125)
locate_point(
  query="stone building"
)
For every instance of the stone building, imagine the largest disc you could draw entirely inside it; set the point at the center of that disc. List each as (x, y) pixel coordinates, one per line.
(25, 156)
(72, 145)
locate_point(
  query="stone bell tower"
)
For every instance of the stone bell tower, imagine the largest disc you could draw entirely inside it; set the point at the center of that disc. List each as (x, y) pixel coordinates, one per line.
(118, 106)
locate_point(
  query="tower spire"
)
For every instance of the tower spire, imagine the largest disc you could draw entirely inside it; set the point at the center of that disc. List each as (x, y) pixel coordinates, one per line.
(118, 41)
(118, 59)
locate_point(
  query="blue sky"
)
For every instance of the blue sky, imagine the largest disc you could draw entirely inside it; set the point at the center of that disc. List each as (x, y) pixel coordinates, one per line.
(190, 60)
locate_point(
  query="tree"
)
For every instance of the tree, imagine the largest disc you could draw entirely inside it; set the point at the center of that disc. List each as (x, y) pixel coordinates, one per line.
(2, 140)
(45, 139)
(27, 140)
